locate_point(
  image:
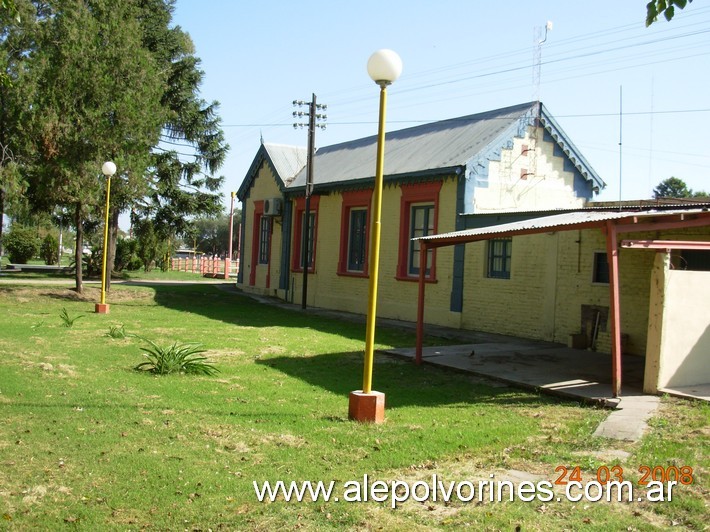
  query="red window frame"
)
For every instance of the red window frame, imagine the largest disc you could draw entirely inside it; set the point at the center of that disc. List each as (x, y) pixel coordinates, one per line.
(413, 194)
(360, 199)
(298, 233)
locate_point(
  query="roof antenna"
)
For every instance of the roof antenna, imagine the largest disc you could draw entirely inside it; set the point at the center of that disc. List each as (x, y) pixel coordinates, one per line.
(621, 116)
(540, 38)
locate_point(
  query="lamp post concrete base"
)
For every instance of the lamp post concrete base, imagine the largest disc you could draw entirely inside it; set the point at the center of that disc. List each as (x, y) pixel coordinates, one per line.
(367, 407)
(101, 308)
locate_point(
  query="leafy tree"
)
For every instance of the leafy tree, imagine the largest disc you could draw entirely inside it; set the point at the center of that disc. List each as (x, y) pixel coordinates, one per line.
(192, 149)
(671, 188)
(93, 80)
(663, 7)
(97, 97)
(15, 46)
(150, 248)
(212, 234)
(21, 244)
(674, 187)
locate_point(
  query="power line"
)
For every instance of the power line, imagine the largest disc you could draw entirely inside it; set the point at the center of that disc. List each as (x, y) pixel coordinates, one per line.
(425, 121)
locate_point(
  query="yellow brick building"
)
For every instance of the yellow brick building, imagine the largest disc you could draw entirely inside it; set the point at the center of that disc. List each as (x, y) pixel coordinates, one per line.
(438, 177)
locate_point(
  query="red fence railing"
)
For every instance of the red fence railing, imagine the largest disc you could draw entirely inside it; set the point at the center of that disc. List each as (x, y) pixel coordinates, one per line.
(207, 267)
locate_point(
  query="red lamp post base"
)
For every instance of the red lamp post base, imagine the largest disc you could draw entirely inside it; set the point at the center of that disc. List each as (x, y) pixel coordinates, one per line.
(101, 308)
(367, 407)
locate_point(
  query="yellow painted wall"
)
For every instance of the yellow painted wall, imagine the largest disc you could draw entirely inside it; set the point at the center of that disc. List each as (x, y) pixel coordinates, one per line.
(548, 186)
(396, 298)
(551, 278)
(517, 306)
(264, 186)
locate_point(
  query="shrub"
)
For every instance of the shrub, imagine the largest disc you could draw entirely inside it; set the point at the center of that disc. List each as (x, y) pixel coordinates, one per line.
(177, 358)
(21, 245)
(126, 255)
(49, 250)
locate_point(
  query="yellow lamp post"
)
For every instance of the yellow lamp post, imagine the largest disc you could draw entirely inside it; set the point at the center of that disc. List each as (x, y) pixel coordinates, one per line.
(108, 169)
(384, 67)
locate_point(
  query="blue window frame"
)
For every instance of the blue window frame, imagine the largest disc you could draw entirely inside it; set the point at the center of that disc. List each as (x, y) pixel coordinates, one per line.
(264, 239)
(421, 224)
(499, 255)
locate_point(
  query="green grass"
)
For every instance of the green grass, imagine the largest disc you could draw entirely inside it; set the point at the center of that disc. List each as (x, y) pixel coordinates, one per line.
(87, 442)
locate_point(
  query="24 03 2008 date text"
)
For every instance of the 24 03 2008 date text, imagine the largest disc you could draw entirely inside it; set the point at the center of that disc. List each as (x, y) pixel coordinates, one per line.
(682, 475)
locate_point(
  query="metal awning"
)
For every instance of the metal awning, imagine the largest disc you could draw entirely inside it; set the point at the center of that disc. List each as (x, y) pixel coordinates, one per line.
(612, 222)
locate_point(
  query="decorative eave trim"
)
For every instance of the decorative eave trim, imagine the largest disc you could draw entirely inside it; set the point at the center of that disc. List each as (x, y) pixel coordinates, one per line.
(570, 150)
(262, 156)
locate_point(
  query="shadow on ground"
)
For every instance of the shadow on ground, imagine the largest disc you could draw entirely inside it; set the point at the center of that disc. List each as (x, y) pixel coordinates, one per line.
(403, 383)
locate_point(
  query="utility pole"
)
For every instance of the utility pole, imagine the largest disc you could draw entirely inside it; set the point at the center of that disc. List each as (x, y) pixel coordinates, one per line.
(228, 262)
(313, 123)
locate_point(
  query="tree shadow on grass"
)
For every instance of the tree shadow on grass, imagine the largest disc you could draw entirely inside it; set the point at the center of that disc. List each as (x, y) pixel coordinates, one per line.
(403, 383)
(232, 307)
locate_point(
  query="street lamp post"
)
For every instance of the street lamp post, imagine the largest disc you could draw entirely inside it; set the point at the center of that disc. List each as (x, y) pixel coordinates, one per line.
(384, 67)
(108, 169)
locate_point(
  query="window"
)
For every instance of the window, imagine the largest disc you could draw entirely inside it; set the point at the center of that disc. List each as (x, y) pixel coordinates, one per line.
(419, 210)
(600, 270)
(299, 227)
(422, 224)
(499, 255)
(264, 239)
(357, 240)
(354, 238)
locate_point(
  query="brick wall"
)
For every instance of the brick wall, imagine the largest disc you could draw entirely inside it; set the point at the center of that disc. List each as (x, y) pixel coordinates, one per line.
(528, 176)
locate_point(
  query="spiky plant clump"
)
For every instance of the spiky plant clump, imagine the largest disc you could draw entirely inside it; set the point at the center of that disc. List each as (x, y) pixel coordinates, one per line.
(117, 332)
(66, 319)
(176, 358)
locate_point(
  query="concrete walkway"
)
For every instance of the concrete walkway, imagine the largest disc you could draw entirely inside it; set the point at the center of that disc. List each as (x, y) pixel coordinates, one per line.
(542, 366)
(555, 370)
(629, 420)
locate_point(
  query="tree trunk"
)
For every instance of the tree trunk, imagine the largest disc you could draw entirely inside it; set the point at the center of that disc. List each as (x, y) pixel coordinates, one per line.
(79, 250)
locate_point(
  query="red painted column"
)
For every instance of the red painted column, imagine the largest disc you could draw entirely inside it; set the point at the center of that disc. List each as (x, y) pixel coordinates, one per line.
(612, 252)
(423, 252)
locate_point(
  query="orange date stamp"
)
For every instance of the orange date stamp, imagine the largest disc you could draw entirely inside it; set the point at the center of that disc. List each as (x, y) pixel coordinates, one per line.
(681, 475)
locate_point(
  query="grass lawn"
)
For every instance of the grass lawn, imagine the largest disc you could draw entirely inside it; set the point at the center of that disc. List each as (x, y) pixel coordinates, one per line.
(87, 442)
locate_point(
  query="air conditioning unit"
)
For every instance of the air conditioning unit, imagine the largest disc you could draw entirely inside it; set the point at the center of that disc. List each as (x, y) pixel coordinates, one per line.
(272, 207)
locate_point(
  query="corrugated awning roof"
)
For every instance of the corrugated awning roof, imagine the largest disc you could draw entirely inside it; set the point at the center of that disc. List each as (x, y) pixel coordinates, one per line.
(557, 222)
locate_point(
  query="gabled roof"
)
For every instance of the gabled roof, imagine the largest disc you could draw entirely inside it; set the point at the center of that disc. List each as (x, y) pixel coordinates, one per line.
(434, 148)
(285, 162)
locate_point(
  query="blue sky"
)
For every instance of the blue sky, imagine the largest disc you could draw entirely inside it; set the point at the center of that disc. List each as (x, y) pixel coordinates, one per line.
(460, 58)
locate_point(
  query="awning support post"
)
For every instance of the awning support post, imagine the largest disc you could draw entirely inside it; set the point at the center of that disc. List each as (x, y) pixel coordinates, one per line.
(612, 252)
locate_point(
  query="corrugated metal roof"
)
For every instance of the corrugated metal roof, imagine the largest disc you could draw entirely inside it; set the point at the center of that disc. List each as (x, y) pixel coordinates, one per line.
(546, 223)
(429, 147)
(287, 160)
